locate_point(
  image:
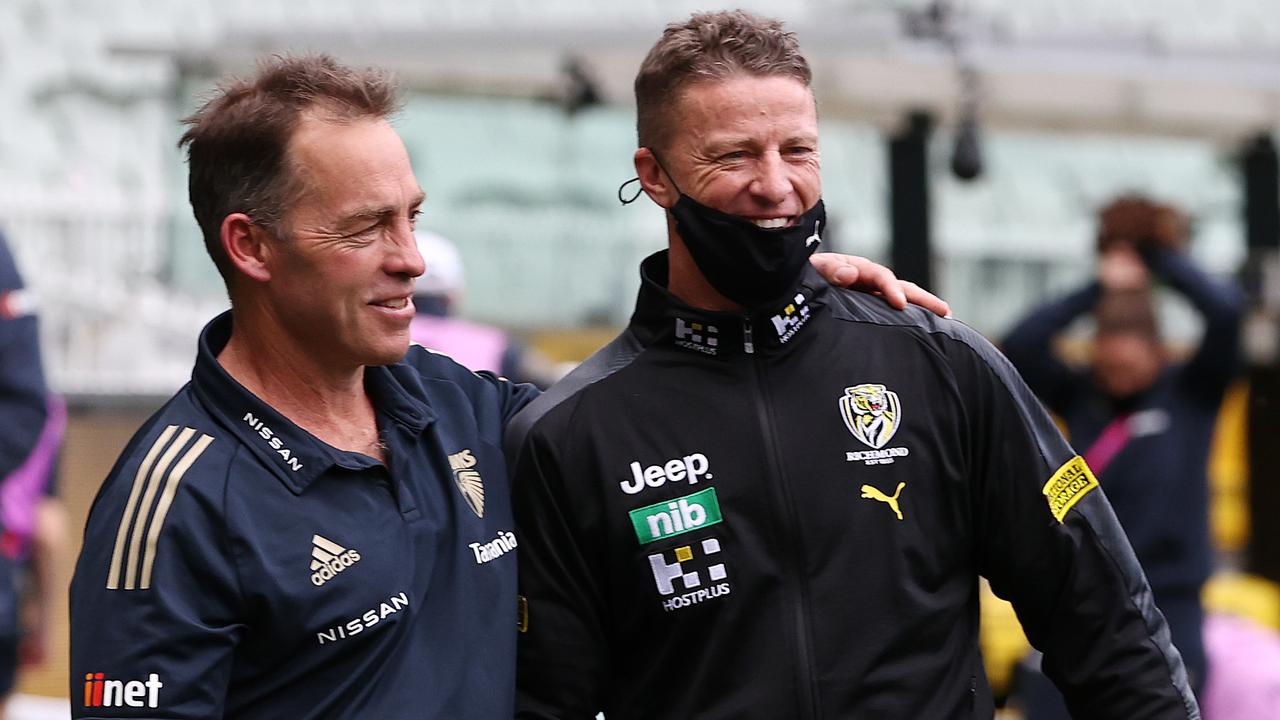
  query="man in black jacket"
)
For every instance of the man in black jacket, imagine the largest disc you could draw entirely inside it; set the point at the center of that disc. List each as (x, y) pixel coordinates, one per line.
(772, 499)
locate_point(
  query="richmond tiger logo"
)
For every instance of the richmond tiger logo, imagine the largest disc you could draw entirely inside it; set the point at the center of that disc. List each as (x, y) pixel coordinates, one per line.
(871, 412)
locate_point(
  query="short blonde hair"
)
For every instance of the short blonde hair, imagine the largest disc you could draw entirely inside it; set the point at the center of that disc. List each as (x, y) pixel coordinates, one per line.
(709, 46)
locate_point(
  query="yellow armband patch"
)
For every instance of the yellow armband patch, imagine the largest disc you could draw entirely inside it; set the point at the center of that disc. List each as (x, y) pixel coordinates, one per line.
(1071, 482)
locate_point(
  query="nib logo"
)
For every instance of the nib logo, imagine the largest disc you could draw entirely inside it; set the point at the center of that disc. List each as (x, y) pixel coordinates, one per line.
(676, 516)
(101, 692)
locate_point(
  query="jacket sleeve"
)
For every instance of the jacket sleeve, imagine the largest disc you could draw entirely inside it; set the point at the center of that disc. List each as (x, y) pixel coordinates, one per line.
(22, 386)
(1047, 540)
(562, 650)
(155, 600)
(514, 396)
(1217, 358)
(1029, 346)
(485, 388)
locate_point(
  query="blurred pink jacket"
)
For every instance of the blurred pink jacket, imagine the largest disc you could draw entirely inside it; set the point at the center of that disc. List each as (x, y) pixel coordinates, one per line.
(22, 490)
(1244, 670)
(477, 347)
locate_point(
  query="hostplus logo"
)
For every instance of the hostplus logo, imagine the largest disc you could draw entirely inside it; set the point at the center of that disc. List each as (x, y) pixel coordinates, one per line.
(675, 517)
(328, 558)
(687, 573)
(791, 319)
(697, 336)
(101, 692)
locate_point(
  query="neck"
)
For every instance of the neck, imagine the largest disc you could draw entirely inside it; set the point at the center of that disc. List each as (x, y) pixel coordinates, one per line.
(686, 281)
(327, 401)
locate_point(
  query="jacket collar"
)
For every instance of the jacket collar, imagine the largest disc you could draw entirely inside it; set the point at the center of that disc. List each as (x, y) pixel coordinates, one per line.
(662, 318)
(294, 455)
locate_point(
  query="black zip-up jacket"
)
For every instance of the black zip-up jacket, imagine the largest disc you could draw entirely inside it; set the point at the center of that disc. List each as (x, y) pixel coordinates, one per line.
(785, 516)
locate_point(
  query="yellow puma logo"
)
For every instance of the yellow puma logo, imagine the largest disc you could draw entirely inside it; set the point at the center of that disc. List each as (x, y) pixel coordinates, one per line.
(874, 494)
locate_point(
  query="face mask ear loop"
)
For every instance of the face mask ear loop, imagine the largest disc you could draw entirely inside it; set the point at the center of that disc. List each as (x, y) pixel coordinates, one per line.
(639, 189)
(627, 201)
(666, 172)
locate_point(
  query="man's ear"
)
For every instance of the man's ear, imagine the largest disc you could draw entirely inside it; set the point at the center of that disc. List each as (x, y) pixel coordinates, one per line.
(247, 246)
(654, 179)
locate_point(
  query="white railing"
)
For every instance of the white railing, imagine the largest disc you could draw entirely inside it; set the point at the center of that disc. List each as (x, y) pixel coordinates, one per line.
(109, 325)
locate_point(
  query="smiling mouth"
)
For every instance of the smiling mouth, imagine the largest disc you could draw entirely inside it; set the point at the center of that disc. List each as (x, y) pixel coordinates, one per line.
(394, 303)
(772, 223)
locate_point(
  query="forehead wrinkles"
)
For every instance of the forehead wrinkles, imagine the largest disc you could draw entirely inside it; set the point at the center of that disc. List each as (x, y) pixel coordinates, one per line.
(736, 105)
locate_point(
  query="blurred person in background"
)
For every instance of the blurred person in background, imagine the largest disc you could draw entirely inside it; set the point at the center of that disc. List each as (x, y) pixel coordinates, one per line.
(1145, 420)
(769, 498)
(32, 421)
(436, 326)
(318, 524)
(35, 533)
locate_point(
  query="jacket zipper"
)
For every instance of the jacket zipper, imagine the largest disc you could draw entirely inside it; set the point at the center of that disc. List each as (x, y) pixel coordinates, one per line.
(793, 548)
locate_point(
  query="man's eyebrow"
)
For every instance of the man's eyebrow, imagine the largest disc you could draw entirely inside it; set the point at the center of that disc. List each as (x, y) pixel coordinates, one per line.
(383, 211)
(730, 143)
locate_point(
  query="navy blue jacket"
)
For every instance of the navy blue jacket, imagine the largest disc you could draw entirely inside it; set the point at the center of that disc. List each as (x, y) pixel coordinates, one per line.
(236, 566)
(1157, 482)
(22, 387)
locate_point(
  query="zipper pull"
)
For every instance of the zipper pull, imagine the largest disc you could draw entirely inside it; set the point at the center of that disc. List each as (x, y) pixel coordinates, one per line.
(746, 337)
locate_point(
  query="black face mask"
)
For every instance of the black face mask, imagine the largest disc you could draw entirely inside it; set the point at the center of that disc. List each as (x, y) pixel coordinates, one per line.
(746, 263)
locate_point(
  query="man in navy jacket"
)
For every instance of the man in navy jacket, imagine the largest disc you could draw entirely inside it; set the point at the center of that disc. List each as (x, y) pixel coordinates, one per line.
(317, 524)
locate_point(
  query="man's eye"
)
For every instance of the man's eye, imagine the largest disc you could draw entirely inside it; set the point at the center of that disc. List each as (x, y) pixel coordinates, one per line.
(734, 156)
(365, 231)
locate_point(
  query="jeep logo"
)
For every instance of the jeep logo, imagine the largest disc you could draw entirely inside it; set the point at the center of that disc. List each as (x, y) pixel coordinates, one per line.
(688, 469)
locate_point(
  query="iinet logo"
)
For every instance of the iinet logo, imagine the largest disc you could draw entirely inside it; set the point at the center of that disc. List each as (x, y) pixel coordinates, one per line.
(101, 692)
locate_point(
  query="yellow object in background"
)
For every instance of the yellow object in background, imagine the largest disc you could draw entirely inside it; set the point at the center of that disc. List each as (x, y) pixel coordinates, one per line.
(1246, 596)
(1001, 639)
(1229, 472)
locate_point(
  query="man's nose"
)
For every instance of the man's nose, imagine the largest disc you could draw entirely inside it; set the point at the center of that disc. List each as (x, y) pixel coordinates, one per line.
(772, 183)
(405, 258)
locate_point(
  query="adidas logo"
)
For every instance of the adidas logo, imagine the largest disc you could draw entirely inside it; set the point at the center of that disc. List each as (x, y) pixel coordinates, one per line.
(328, 559)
